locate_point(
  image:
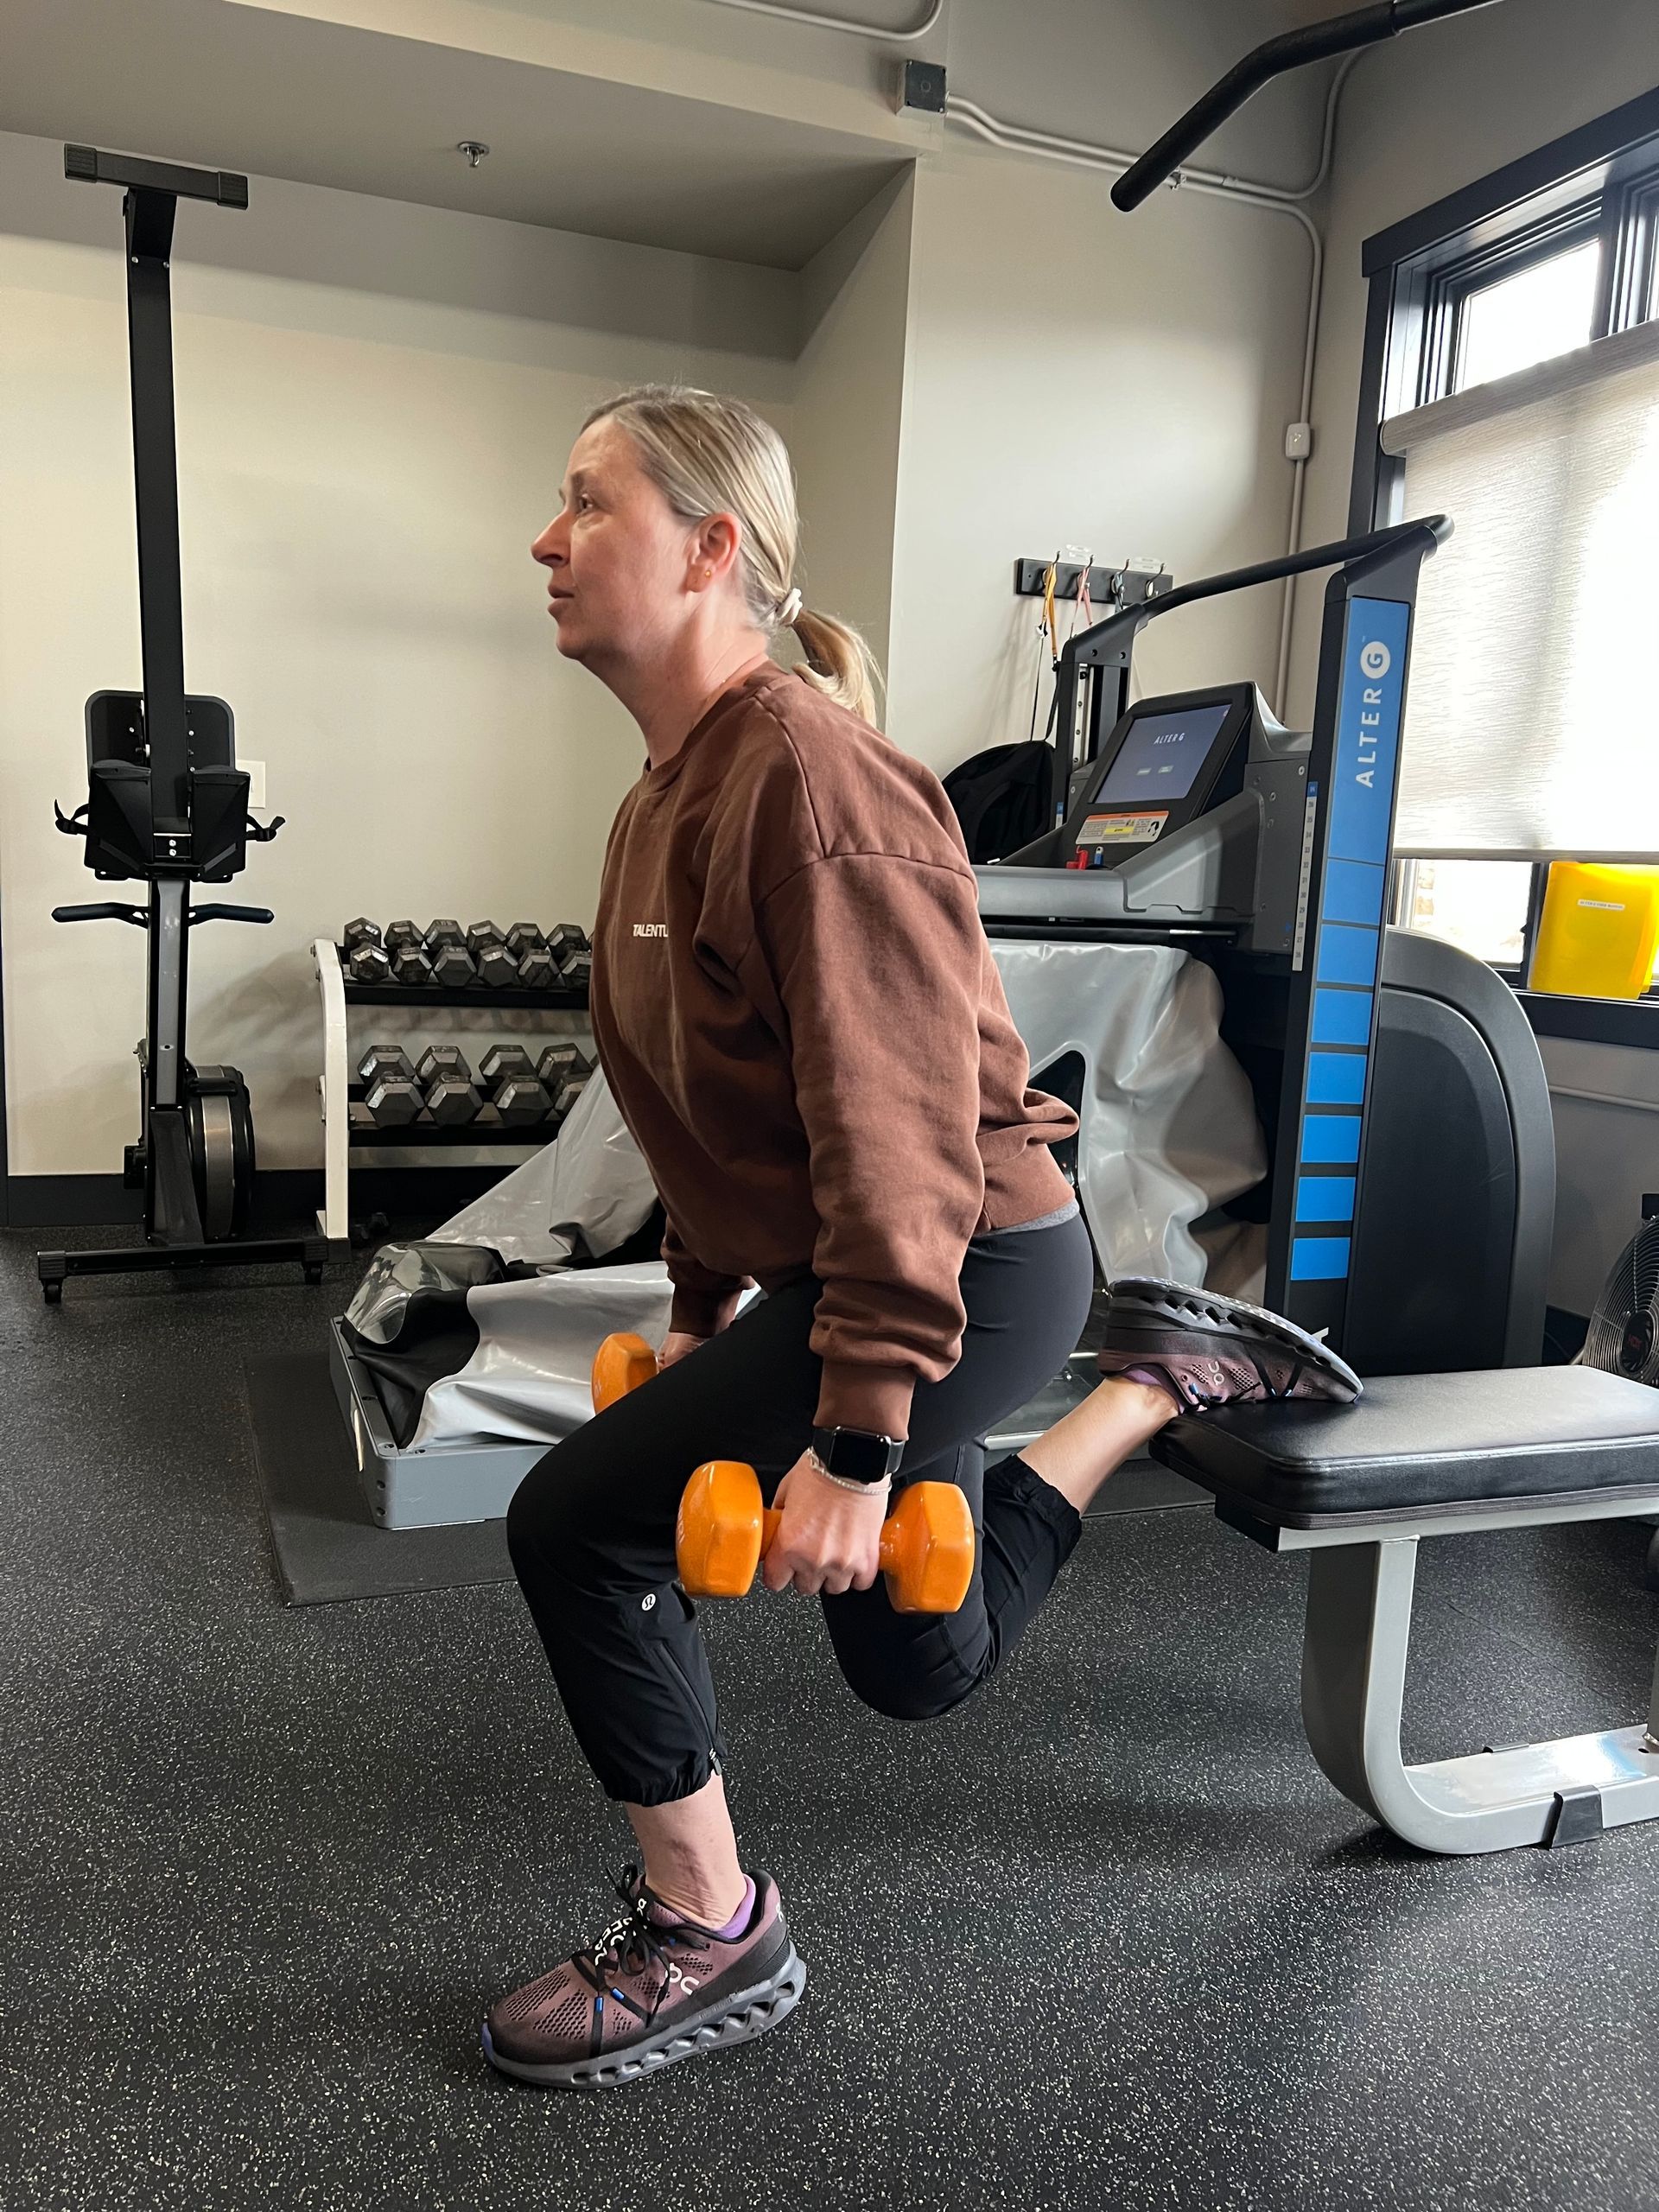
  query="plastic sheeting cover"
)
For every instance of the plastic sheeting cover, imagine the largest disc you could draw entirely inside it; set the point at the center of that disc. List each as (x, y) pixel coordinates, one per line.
(530, 1380)
(590, 1185)
(1169, 1130)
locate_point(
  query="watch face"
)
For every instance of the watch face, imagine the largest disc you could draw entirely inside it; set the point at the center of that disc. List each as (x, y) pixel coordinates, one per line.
(848, 1452)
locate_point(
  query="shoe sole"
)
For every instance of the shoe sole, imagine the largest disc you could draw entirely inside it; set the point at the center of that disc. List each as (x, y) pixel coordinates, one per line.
(1181, 1318)
(734, 2020)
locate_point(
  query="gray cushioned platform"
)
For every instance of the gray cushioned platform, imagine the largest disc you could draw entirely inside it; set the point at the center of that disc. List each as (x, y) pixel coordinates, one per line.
(1417, 1443)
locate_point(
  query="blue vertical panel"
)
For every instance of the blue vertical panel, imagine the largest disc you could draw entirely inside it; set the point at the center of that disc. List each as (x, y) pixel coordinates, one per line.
(1346, 943)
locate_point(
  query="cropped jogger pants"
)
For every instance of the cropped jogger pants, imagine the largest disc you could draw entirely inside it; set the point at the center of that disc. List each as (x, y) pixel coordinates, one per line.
(591, 1526)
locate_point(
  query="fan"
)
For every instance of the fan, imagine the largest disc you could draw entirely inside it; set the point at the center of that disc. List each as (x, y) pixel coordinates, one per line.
(1623, 1333)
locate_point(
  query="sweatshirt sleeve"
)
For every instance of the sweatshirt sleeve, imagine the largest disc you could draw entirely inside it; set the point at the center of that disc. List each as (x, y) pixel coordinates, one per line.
(875, 963)
(704, 1300)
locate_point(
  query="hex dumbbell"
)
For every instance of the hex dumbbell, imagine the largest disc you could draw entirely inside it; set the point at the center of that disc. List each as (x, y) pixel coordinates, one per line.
(366, 958)
(566, 1070)
(537, 970)
(453, 967)
(391, 1095)
(496, 965)
(515, 1091)
(451, 1096)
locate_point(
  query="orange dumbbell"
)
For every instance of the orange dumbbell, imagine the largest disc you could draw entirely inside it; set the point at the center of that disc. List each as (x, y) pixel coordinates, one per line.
(620, 1364)
(723, 1531)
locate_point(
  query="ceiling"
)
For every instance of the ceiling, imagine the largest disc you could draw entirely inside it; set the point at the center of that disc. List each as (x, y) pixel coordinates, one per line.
(281, 95)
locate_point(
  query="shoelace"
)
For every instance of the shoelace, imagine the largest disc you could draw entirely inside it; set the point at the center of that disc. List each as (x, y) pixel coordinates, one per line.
(632, 1944)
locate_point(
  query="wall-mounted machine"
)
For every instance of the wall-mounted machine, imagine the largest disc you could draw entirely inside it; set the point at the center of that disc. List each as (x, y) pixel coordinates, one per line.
(1411, 1197)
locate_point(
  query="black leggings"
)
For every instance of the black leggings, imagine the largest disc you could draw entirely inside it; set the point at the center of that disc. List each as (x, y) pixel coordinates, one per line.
(591, 1527)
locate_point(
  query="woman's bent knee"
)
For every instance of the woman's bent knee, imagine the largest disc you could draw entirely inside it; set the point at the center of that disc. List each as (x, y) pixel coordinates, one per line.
(901, 1696)
(555, 1517)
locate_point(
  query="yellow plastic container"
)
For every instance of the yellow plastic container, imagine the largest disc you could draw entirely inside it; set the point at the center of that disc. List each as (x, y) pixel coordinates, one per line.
(1599, 938)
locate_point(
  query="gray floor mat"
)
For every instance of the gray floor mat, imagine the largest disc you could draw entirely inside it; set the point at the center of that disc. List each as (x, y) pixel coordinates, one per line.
(327, 1550)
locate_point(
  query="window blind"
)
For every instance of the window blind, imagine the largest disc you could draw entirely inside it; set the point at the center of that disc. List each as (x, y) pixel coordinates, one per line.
(1532, 718)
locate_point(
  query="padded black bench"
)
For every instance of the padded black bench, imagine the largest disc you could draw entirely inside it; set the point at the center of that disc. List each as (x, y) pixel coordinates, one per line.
(1358, 1487)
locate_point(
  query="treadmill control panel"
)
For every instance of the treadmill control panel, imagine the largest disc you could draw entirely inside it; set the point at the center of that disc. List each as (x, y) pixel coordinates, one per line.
(1167, 761)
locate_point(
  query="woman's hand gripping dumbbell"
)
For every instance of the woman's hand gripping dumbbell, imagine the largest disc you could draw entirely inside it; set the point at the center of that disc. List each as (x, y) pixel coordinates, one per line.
(724, 1529)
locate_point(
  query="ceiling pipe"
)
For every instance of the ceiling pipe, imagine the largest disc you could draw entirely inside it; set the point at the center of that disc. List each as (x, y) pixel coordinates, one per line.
(1294, 50)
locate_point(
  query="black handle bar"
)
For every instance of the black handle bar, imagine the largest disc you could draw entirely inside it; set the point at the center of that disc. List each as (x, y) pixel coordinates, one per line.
(107, 910)
(1292, 50)
(1339, 554)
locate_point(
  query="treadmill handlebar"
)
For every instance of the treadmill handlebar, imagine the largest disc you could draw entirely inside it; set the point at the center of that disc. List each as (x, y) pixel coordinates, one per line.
(1367, 26)
(1431, 531)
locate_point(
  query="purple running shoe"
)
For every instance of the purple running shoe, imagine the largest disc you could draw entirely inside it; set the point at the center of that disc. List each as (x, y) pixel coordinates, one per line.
(652, 1989)
(1209, 1351)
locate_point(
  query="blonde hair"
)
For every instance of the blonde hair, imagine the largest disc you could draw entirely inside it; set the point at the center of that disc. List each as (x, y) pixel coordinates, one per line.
(710, 456)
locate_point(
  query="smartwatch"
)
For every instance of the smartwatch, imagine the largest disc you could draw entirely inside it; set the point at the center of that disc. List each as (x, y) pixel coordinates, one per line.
(853, 1455)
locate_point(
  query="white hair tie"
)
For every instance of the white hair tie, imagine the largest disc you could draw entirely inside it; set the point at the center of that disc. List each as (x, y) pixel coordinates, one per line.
(789, 609)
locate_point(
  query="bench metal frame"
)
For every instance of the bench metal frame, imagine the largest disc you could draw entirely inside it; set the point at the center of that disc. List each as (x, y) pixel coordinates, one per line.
(1361, 1577)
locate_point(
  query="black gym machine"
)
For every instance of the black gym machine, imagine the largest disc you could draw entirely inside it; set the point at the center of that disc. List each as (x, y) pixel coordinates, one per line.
(167, 806)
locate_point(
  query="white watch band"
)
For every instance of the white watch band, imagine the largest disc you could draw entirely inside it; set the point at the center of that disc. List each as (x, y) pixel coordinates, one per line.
(846, 1482)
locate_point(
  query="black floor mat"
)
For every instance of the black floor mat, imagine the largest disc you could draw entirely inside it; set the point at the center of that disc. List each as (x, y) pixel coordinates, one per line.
(327, 1549)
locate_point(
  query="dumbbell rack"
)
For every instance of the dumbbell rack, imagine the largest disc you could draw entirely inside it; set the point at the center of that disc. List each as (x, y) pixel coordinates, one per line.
(340, 1090)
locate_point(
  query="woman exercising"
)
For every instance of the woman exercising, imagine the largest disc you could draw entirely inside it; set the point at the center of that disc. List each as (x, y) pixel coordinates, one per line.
(796, 1009)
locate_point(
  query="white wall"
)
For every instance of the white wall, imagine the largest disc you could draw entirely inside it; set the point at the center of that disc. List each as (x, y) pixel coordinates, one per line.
(1127, 393)
(848, 403)
(365, 456)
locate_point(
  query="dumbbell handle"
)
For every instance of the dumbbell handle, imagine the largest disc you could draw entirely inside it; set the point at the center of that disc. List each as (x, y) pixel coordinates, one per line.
(771, 1520)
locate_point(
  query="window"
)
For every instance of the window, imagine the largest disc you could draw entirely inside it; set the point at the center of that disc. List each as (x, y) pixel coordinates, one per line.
(1544, 309)
(1512, 382)
(1478, 905)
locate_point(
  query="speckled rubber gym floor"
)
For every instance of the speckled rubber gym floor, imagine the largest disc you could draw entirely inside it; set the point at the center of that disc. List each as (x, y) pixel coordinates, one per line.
(1105, 1938)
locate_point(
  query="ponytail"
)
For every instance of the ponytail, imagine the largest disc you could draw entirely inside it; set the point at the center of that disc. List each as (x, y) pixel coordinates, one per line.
(838, 662)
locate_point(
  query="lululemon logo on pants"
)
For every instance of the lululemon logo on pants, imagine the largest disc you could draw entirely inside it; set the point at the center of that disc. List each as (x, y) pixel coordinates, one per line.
(651, 929)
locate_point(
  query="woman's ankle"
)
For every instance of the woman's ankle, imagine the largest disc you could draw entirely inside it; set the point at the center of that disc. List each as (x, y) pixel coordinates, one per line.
(1119, 1418)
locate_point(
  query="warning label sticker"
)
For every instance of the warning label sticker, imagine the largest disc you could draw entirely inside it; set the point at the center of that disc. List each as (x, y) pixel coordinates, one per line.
(1122, 829)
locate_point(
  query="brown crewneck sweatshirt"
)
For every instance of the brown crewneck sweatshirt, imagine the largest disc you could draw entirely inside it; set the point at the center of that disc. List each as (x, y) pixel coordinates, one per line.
(799, 1014)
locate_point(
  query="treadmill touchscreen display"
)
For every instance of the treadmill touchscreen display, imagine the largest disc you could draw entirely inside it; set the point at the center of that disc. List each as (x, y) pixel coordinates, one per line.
(1160, 757)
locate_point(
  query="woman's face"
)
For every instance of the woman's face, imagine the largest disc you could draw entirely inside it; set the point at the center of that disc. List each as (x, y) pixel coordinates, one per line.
(625, 573)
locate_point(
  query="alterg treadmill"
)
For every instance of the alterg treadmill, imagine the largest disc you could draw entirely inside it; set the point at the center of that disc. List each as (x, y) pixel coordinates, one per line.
(1411, 1199)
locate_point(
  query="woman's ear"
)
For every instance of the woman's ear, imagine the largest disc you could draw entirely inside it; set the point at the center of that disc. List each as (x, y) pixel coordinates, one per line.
(714, 551)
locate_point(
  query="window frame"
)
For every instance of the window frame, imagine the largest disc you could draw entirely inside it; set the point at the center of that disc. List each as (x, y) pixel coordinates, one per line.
(1601, 180)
